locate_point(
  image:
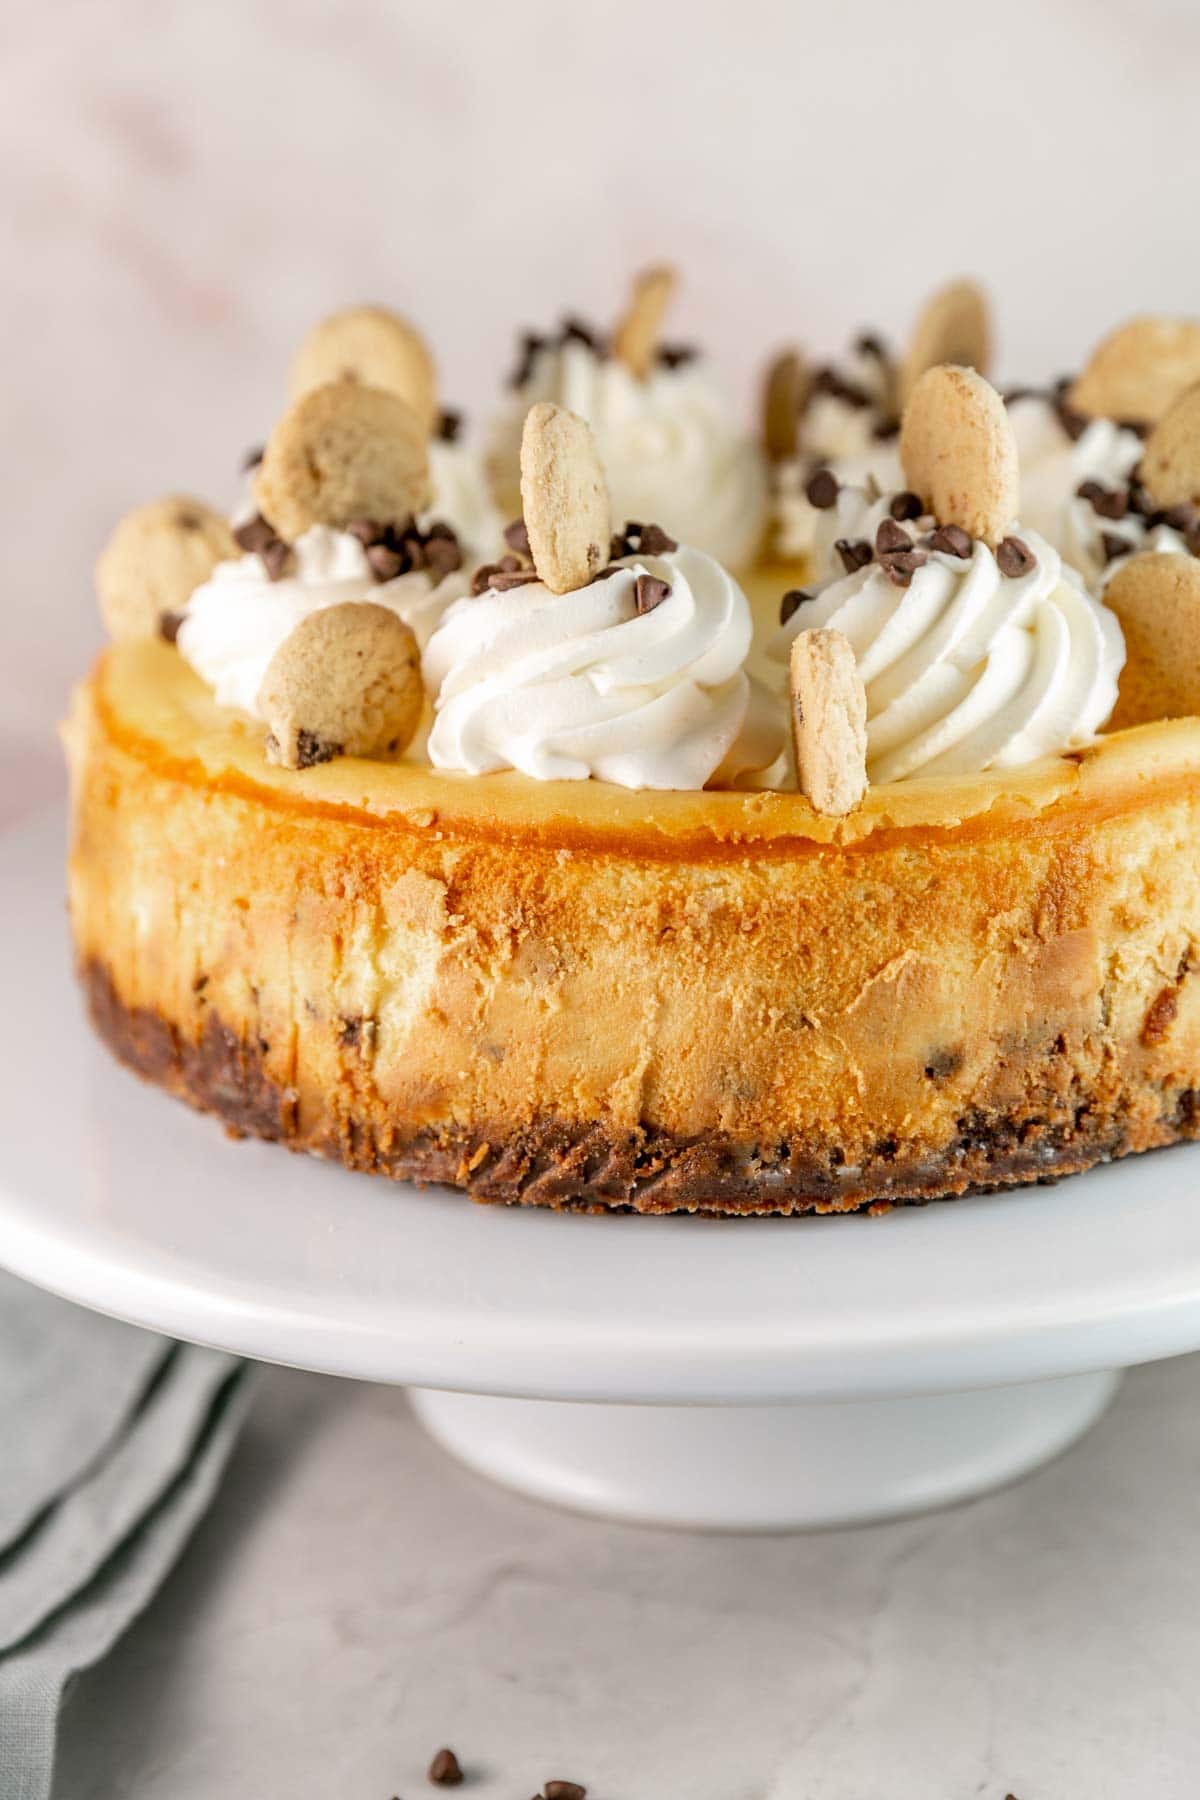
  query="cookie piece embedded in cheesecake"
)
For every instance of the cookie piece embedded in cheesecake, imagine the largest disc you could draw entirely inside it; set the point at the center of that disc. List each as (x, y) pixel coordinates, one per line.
(829, 721)
(1170, 465)
(635, 341)
(375, 347)
(953, 326)
(1139, 371)
(343, 452)
(564, 498)
(345, 682)
(959, 452)
(1156, 597)
(154, 561)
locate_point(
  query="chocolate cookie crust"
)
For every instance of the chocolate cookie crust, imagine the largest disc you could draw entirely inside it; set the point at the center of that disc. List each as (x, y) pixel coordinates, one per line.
(591, 1167)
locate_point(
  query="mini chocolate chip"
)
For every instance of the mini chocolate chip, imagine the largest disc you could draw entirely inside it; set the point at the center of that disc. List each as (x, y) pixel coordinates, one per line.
(482, 576)
(654, 541)
(1181, 517)
(168, 626)
(1192, 538)
(578, 330)
(675, 356)
(532, 344)
(275, 556)
(821, 489)
(633, 528)
(906, 505)
(1014, 557)
(649, 592)
(564, 1790)
(1073, 423)
(891, 536)
(855, 553)
(1114, 546)
(1091, 490)
(444, 1770)
(1111, 503)
(791, 603)
(868, 344)
(442, 556)
(310, 749)
(449, 426)
(411, 550)
(951, 540)
(517, 537)
(902, 565)
(254, 534)
(504, 579)
(885, 429)
(385, 563)
(253, 457)
(617, 547)
(367, 531)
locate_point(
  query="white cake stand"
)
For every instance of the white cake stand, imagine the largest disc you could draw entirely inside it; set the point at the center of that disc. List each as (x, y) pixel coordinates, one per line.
(748, 1374)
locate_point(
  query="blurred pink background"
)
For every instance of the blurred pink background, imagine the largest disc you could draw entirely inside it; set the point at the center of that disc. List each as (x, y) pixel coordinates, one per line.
(186, 187)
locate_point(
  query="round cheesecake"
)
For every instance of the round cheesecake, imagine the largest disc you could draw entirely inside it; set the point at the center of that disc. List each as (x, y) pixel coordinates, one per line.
(574, 995)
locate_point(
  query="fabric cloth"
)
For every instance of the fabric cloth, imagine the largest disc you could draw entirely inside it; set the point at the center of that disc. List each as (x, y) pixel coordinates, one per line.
(112, 1443)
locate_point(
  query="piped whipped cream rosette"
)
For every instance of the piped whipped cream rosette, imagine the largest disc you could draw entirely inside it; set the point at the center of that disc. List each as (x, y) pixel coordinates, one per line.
(976, 646)
(669, 444)
(847, 416)
(620, 660)
(316, 628)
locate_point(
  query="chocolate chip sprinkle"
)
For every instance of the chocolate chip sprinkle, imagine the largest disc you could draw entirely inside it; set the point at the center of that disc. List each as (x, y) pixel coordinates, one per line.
(654, 541)
(444, 1770)
(855, 553)
(1114, 545)
(951, 540)
(516, 536)
(902, 565)
(906, 505)
(891, 536)
(791, 603)
(275, 558)
(1110, 503)
(254, 534)
(253, 457)
(1014, 557)
(449, 426)
(821, 489)
(384, 562)
(168, 626)
(564, 1790)
(649, 592)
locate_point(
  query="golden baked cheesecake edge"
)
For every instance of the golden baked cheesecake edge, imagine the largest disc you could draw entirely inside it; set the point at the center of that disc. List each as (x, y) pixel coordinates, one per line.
(574, 995)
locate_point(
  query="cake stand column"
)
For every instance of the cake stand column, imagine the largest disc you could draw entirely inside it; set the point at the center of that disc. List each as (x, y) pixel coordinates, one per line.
(783, 1467)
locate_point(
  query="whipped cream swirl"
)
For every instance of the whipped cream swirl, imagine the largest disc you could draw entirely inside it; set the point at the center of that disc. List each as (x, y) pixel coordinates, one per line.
(967, 668)
(563, 687)
(670, 447)
(462, 499)
(847, 426)
(238, 618)
(1054, 465)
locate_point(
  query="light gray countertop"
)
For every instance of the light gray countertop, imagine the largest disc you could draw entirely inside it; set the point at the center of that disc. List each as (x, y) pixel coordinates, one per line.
(355, 1600)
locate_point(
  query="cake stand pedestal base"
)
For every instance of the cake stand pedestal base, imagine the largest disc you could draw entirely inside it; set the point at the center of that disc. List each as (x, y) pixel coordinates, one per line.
(766, 1468)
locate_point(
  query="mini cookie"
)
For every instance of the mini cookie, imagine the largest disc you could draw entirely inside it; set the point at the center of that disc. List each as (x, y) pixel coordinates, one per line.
(1139, 370)
(373, 346)
(153, 562)
(829, 721)
(1157, 599)
(1170, 465)
(345, 682)
(343, 452)
(785, 390)
(636, 338)
(564, 498)
(959, 452)
(954, 326)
